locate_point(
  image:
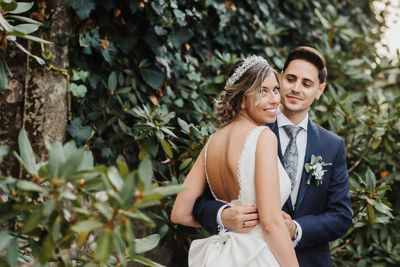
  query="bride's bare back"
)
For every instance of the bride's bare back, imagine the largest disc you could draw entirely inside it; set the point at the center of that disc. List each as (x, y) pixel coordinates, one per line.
(223, 153)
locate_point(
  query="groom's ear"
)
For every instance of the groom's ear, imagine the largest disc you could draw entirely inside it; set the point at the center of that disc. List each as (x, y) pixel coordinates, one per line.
(321, 89)
(281, 76)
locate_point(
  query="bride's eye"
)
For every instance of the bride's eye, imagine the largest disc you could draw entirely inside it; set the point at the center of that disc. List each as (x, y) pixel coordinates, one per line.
(263, 92)
(277, 89)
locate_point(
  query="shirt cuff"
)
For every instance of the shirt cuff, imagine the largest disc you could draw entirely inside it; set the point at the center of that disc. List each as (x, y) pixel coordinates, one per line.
(299, 234)
(220, 225)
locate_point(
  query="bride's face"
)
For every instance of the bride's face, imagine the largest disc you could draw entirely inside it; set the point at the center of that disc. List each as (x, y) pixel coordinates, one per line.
(262, 106)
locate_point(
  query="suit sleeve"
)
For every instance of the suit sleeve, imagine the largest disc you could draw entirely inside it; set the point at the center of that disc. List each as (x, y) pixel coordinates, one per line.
(205, 211)
(337, 217)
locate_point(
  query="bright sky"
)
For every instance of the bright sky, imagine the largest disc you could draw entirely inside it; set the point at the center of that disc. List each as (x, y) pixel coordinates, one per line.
(392, 34)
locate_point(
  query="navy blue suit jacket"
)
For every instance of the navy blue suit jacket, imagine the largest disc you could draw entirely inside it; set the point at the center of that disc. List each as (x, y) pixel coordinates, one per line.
(323, 212)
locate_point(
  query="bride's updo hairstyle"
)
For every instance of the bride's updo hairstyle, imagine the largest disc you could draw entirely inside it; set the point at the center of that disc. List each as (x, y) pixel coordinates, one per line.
(245, 78)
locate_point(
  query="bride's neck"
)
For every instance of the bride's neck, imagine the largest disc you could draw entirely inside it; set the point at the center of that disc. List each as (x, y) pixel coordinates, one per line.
(242, 116)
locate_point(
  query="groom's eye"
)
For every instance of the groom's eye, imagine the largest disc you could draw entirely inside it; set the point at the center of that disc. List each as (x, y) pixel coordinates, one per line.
(291, 79)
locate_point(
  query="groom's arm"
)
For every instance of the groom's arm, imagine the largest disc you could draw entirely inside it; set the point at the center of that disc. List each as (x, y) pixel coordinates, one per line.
(205, 211)
(337, 217)
(217, 217)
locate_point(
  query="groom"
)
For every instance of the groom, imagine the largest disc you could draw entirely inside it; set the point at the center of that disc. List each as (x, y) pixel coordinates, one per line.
(318, 210)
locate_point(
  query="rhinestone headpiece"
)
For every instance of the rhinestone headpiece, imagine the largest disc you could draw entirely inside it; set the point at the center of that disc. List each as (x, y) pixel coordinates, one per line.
(247, 63)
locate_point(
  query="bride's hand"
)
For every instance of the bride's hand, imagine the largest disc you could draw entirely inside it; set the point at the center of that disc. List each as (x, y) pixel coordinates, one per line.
(239, 218)
(291, 226)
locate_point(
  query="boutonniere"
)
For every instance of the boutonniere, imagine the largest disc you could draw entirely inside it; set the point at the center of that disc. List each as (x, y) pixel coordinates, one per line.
(314, 169)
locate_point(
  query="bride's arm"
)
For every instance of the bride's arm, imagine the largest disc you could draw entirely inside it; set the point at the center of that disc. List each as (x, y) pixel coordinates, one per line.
(269, 201)
(195, 182)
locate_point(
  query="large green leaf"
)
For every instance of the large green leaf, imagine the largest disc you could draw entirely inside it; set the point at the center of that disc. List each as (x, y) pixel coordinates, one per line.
(38, 40)
(112, 81)
(24, 19)
(4, 23)
(55, 230)
(3, 75)
(71, 164)
(49, 207)
(79, 132)
(163, 191)
(153, 77)
(146, 262)
(56, 159)
(29, 186)
(32, 221)
(82, 7)
(78, 91)
(147, 243)
(47, 250)
(128, 187)
(26, 152)
(12, 252)
(104, 245)
(114, 178)
(167, 148)
(137, 214)
(87, 226)
(370, 180)
(104, 209)
(8, 6)
(22, 7)
(5, 239)
(26, 28)
(146, 171)
(4, 150)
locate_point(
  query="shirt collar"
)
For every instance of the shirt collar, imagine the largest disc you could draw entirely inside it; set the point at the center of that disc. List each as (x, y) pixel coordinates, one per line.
(282, 120)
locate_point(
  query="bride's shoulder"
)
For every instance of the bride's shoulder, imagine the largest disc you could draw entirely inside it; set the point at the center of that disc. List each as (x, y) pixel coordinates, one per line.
(267, 138)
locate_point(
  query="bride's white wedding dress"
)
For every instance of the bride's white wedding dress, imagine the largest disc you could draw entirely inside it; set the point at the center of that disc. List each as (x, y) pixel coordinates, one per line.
(240, 249)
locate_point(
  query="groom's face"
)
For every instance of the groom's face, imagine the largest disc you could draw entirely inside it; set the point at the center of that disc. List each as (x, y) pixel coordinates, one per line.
(300, 86)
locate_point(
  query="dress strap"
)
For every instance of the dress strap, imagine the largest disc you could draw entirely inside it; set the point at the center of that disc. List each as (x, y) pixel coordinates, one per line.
(205, 170)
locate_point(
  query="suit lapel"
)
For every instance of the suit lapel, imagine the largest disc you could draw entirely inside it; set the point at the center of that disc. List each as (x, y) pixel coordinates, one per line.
(311, 149)
(274, 127)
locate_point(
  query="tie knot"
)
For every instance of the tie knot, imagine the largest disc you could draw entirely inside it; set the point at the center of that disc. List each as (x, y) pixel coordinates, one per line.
(292, 130)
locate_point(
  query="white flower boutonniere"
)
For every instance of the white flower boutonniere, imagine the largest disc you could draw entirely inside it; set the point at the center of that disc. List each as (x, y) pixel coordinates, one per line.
(314, 169)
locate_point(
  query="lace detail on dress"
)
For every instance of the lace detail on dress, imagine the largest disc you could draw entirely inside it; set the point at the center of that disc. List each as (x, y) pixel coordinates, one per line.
(246, 166)
(242, 155)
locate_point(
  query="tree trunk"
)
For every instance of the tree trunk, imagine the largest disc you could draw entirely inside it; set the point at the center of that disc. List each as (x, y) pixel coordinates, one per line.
(39, 98)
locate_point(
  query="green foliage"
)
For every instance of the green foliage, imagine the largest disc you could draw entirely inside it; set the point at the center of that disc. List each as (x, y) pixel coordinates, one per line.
(10, 11)
(153, 68)
(72, 212)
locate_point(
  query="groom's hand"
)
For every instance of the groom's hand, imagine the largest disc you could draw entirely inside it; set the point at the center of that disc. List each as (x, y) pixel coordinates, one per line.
(239, 218)
(291, 226)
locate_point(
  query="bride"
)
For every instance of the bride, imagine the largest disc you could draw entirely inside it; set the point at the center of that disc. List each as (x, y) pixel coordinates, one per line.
(241, 166)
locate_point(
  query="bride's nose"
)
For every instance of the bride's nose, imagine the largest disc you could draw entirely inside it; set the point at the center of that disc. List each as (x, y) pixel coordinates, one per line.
(275, 99)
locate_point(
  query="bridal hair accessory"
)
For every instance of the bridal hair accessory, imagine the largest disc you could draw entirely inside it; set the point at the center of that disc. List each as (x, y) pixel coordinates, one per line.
(314, 169)
(247, 63)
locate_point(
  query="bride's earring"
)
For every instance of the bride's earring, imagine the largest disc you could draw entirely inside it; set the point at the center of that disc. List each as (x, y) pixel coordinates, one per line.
(242, 106)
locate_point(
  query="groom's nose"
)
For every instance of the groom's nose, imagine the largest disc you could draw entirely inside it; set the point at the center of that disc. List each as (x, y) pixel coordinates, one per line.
(296, 87)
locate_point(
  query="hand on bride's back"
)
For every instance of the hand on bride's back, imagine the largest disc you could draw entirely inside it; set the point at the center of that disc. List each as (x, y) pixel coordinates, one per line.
(240, 218)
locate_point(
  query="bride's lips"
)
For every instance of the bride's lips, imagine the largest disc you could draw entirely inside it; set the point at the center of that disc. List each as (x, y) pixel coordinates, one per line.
(271, 111)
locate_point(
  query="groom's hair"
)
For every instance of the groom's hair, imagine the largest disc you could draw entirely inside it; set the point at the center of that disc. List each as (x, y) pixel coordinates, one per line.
(310, 55)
